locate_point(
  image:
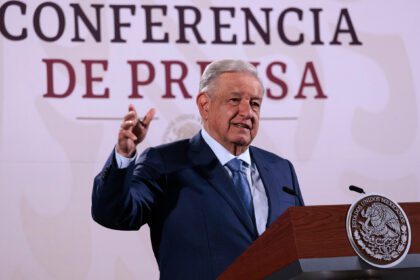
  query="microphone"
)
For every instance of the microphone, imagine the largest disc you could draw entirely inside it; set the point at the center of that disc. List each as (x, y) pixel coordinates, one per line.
(356, 189)
(293, 193)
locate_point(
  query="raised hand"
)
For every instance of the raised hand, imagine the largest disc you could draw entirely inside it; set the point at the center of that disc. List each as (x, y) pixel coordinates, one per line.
(133, 131)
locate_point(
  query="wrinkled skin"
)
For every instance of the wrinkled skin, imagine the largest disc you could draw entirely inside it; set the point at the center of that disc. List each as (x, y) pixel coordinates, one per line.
(230, 110)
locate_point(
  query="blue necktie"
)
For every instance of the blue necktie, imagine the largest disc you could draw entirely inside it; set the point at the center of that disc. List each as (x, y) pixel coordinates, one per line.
(241, 183)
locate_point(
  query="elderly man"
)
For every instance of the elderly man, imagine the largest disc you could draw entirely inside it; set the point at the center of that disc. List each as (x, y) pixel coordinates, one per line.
(205, 199)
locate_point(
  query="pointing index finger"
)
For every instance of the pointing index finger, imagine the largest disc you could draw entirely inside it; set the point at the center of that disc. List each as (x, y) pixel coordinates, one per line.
(132, 109)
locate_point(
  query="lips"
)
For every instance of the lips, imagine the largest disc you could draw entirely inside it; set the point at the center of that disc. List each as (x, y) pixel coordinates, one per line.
(242, 125)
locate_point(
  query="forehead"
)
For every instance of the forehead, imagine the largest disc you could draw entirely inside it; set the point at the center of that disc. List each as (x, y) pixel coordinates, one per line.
(238, 82)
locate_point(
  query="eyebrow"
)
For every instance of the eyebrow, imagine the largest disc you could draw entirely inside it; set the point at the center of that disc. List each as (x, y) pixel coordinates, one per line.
(237, 93)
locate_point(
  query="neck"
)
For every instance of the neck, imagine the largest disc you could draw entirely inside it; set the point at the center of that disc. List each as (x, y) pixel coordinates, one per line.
(236, 150)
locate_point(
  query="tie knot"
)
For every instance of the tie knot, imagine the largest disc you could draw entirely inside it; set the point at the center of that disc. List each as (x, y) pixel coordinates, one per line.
(235, 165)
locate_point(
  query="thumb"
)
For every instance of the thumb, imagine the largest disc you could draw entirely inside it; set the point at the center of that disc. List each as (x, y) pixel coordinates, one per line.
(148, 117)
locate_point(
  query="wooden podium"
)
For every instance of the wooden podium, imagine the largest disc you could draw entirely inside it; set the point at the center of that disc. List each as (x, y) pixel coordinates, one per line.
(311, 243)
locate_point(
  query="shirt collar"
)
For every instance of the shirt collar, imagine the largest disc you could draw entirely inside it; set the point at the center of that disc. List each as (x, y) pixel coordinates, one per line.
(222, 154)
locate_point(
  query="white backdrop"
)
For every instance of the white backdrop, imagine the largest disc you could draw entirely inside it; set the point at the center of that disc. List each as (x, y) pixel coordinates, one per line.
(364, 132)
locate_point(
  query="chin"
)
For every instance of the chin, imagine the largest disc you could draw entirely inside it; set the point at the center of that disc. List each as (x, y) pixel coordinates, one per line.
(242, 141)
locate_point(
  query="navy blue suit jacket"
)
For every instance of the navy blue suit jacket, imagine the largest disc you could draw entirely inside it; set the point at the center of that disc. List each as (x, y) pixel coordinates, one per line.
(198, 224)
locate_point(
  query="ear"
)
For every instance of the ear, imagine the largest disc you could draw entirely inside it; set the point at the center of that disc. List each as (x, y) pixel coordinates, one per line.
(203, 104)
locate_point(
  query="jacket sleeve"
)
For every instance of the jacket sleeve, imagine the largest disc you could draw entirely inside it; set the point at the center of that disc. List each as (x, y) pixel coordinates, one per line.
(124, 199)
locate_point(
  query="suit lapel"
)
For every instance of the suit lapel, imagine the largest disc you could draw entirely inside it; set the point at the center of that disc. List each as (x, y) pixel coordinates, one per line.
(207, 164)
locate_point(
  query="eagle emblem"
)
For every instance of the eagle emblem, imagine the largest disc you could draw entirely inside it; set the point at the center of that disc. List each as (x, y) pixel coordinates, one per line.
(378, 230)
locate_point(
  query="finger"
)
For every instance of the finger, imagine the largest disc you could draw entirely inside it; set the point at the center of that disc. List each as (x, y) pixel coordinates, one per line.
(149, 117)
(126, 125)
(132, 109)
(130, 116)
(127, 134)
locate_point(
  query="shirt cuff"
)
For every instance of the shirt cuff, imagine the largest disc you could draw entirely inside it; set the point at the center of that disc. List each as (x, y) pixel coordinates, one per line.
(122, 161)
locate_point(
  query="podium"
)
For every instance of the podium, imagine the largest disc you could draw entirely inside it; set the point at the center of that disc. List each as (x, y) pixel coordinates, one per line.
(311, 243)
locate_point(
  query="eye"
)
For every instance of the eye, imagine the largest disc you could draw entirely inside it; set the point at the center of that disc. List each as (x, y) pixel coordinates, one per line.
(234, 101)
(255, 104)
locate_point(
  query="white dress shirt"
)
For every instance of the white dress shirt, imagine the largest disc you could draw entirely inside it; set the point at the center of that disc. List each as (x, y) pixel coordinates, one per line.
(259, 196)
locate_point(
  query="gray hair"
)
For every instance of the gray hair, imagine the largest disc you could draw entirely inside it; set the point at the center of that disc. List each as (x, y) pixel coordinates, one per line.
(216, 68)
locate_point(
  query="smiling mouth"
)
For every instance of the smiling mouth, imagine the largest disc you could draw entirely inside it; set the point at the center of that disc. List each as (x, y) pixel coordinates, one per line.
(242, 125)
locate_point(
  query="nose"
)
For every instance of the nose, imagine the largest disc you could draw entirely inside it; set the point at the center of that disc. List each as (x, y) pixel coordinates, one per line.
(245, 109)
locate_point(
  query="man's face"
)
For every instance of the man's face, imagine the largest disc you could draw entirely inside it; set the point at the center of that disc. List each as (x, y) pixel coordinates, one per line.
(233, 110)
